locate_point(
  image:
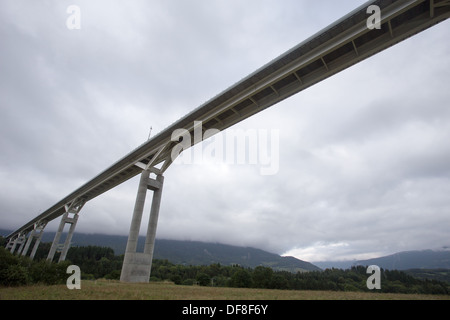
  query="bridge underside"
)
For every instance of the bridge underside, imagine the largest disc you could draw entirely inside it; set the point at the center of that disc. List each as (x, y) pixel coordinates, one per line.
(339, 46)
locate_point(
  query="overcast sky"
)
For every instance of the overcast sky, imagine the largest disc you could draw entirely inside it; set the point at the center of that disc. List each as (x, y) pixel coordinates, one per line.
(364, 157)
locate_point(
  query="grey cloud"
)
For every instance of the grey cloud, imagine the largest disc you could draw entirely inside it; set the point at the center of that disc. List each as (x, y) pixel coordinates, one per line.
(363, 155)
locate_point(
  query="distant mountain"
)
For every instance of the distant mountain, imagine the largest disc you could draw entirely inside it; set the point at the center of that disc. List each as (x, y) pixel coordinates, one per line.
(430, 274)
(424, 259)
(418, 259)
(344, 264)
(201, 253)
(193, 252)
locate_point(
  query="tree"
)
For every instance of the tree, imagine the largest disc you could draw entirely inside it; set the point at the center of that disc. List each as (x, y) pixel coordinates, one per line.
(241, 279)
(176, 279)
(262, 277)
(2, 241)
(279, 282)
(203, 279)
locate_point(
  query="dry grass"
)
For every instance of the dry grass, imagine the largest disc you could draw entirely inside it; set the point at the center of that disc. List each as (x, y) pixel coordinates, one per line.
(114, 290)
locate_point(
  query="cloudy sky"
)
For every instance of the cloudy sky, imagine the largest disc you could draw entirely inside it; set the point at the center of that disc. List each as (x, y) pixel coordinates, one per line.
(364, 157)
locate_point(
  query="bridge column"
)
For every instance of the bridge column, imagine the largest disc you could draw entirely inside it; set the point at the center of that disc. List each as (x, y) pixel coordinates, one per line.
(21, 240)
(10, 244)
(71, 209)
(137, 265)
(18, 240)
(36, 234)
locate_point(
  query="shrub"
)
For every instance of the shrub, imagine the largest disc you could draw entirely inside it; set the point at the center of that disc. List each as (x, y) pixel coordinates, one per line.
(14, 275)
(203, 279)
(113, 275)
(13, 271)
(49, 273)
(188, 282)
(241, 279)
(176, 279)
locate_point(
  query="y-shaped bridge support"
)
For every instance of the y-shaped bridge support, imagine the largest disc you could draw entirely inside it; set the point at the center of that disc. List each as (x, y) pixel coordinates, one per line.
(73, 209)
(36, 235)
(137, 265)
(18, 240)
(25, 240)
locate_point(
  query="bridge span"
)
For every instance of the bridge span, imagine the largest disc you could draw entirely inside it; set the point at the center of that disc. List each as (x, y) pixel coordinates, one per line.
(344, 43)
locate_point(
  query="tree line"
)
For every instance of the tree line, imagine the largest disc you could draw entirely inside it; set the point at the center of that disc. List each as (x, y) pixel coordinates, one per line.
(101, 262)
(353, 279)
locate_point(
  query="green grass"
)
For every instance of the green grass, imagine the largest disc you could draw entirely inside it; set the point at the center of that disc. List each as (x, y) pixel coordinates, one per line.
(114, 290)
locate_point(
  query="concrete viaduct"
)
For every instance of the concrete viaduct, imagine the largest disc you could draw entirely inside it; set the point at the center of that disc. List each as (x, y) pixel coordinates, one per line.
(344, 43)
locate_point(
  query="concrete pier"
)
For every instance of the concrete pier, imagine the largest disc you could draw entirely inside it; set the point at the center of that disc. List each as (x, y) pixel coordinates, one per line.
(18, 240)
(71, 209)
(36, 235)
(137, 265)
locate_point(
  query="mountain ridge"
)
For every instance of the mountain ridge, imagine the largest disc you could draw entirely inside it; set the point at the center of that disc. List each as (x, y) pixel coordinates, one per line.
(413, 259)
(404, 260)
(193, 252)
(198, 253)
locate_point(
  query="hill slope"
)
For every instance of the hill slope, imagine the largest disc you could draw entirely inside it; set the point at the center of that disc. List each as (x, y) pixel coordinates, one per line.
(424, 259)
(193, 252)
(200, 253)
(416, 259)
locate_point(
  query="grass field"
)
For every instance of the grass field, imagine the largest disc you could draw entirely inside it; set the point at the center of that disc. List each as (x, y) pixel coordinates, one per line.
(114, 290)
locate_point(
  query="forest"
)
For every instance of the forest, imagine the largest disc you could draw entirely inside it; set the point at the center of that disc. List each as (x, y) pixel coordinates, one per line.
(101, 262)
